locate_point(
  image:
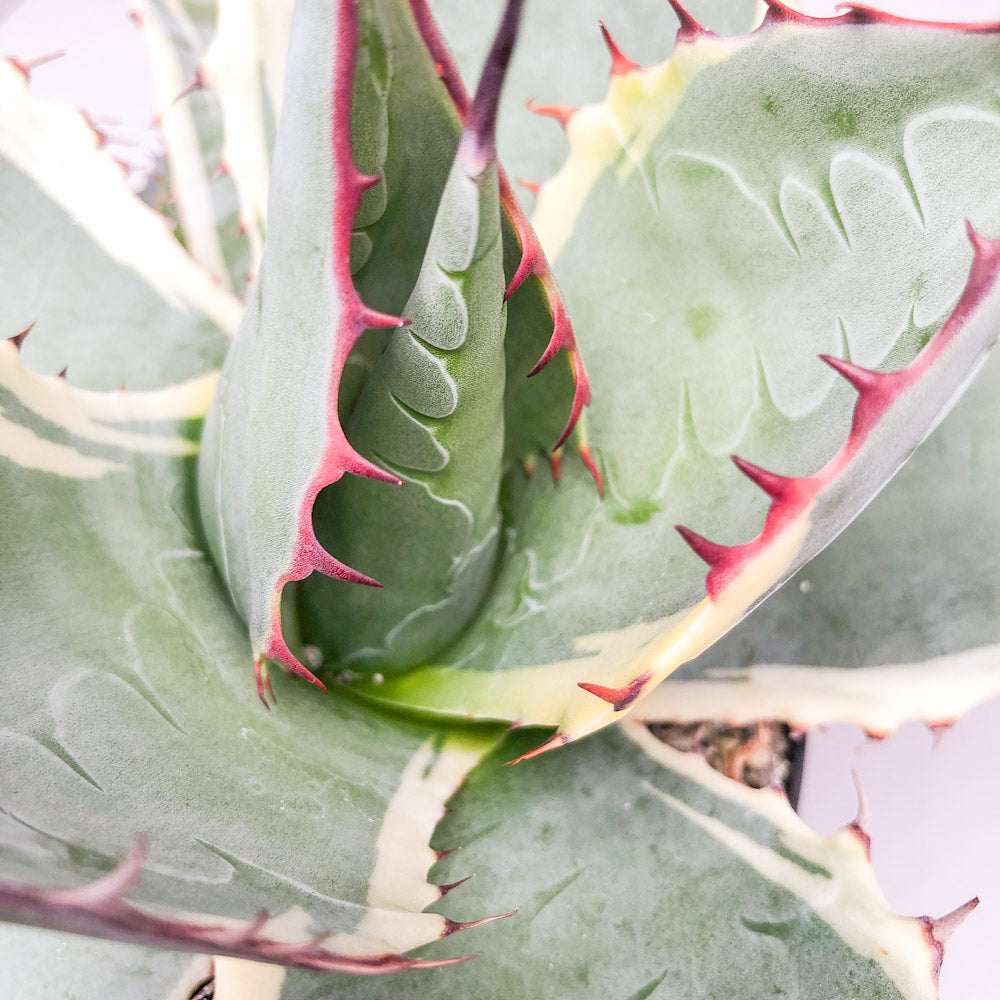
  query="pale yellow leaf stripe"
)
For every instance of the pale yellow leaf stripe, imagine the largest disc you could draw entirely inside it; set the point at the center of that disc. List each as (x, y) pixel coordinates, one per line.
(190, 190)
(398, 890)
(88, 416)
(618, 133)
(848, 898)
(53, 146)
(877, 698)
(538, 694)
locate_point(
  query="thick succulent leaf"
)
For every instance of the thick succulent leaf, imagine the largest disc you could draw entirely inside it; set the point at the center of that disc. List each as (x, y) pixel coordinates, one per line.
(42, 965)
(431, 413)
(898, 619)
(752, 241)
(129, 715)
(273, 438)
(540, 342)
(199, 191)
(297, 343)
(746, 900)
(74, 230)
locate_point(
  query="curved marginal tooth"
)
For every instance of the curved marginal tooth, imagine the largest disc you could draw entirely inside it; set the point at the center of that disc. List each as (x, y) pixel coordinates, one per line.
(579, 402)
(619, 698)
(263, 682)
(244, 933)
(449, 886)
(526, 265)
(358, 465)
(620, 63)
(277, 649)
(197, 82)
(595, 472)
(453, 926)
(942, 928)
(708, 551)
(562, 113)
(775, 486)
(98, 895)
(983, 247)
(554, 741)
(778, 11)
(328, 565)
(562, 336)
(690, 26)
(863, 379)
(375, 320)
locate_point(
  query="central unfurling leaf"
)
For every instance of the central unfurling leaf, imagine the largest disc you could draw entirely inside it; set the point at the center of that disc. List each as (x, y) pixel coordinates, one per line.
(431, 413)
(347, 235)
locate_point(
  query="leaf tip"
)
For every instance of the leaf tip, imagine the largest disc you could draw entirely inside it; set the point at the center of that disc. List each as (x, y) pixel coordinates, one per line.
(480, 125)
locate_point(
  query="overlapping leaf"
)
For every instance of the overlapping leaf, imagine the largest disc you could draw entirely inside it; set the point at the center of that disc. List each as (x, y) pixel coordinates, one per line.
(896, 620)
(318, 801)
(74, 230)
(815, 214)
(134, 716)
(199, 191)
(747, 900)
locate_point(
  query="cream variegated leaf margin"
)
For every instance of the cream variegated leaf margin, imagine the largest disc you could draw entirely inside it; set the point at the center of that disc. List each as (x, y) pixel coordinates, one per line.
(635, 111)
(245, 67)
(832, 875)
(91, 417)
(742, 264)
(640, 897)
(138, 680)
(83, 214)
(199, 193)
(879, 698)
(897, 620)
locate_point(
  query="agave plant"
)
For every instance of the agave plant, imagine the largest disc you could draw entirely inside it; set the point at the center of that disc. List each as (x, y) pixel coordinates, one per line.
(298, 557)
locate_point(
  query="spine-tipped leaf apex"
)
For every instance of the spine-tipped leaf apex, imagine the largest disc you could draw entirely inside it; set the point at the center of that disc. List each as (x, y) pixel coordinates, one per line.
(480, 125)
